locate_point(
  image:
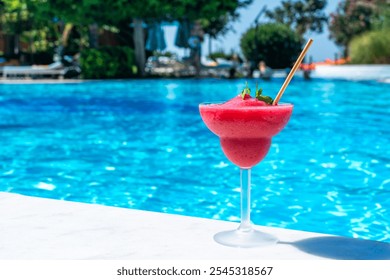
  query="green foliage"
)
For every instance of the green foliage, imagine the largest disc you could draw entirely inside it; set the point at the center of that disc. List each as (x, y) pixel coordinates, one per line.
(301, 15)
(222, 54)
(383, 19)
(221, 14)
(216, 26)
(353, 18)
(219, 54)
(371, 48)
(108, 63)
(274, 43)
(113, 11)
(213, 14)
(39, 40)
(18, 16)
(164, 53)
(14, 16)
(18, 19)
(186, 9)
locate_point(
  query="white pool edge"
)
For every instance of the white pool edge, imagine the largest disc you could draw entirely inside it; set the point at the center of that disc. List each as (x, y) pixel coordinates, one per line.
(39, 228)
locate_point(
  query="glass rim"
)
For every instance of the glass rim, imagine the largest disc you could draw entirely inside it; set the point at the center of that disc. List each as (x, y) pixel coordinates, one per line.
(222, 102)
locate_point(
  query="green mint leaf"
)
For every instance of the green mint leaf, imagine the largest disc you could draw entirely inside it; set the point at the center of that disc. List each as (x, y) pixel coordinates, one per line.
(258, 92)
(264, 98)
(261, 97)
(245, 91)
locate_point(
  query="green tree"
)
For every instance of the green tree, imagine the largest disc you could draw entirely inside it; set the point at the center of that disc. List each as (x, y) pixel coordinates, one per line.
(19, 25)
(88, 16)
(371, 47)
(108, 63)
(115, 12)
(274, 43)
(301, 15)
(14, 18)
(219, 25)
(352, 18)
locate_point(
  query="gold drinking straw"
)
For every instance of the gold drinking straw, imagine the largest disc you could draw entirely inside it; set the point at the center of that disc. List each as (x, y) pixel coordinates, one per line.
(292, 72)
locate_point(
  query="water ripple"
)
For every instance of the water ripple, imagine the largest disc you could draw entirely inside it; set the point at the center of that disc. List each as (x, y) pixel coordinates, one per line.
(110, 143)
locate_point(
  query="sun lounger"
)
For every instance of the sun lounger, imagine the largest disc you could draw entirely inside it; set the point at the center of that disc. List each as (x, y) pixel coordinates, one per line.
(54, 69)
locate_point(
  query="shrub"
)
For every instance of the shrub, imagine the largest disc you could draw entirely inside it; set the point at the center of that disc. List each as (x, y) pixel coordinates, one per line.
(371, 48)
(219, 54)
(164, 53)
(108, 63)
(274, 43)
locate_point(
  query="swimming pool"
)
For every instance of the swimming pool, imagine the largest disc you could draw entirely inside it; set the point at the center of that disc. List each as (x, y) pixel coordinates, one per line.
(141, 144)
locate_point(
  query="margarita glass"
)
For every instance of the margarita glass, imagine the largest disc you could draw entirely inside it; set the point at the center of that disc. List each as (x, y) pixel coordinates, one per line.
(245, 127)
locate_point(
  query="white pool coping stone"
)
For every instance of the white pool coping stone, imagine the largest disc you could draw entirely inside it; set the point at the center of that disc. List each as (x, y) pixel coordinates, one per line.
(33, 228)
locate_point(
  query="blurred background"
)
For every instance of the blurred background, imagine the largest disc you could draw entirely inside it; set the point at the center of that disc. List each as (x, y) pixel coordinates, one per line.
(120, 39)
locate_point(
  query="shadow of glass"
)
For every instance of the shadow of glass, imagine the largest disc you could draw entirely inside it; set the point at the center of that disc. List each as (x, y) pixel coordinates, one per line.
(343, 248)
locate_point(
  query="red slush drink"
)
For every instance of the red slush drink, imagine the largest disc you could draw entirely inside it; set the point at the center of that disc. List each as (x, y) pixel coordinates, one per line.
(245, 127)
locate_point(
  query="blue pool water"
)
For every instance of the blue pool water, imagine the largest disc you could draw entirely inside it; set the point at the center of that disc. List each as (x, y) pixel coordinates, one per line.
(142, 145)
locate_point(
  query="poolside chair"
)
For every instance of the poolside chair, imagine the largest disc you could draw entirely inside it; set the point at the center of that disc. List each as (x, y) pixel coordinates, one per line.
(54, 69)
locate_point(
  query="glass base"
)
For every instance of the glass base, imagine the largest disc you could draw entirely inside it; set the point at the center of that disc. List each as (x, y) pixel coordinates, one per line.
(245, 239)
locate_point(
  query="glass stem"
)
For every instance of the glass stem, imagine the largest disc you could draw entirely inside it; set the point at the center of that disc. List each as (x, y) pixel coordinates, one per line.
(245, 178)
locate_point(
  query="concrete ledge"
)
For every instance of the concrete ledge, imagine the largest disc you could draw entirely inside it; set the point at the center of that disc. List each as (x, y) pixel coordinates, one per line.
(39, 228)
